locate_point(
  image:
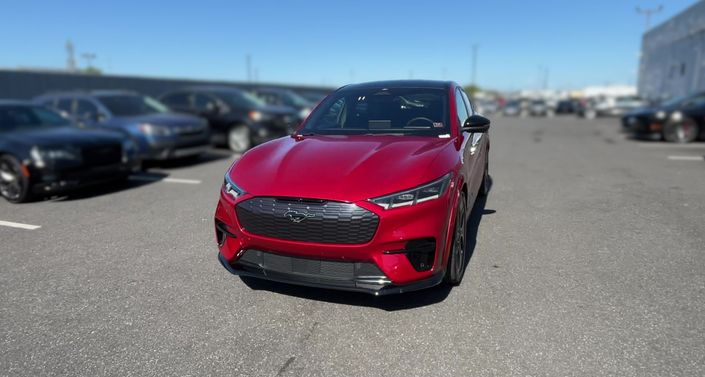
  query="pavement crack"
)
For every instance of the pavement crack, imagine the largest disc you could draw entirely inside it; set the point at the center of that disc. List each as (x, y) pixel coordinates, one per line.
(285, 366)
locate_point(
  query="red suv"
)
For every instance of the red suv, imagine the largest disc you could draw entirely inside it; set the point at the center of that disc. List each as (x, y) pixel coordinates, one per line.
(371, 193)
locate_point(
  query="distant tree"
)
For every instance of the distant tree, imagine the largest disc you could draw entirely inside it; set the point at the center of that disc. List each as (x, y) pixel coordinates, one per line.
(472, 89)
(92, 71)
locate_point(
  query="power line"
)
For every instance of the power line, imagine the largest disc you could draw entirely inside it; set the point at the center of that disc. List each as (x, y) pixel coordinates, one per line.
(89, 57)
(648, 12)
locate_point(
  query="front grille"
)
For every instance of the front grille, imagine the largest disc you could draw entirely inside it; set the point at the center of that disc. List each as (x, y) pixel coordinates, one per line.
(307, 220)
(190, 130)
(102, 155)
(313, 268)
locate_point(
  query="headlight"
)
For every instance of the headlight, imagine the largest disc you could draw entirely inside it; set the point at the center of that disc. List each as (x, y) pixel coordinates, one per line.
(661, 115)
(420, 194)
(677, 116)
(231, 188)
(155, 130)
(255, 116)
(41, 156)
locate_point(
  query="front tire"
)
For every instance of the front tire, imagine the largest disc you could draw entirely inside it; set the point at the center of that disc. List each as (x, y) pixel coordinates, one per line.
(239, 140)
(455, 269)
(685, 131)
(14, 186)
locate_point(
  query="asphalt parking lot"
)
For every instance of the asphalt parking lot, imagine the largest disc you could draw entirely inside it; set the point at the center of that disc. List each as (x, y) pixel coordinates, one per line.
(587, 260)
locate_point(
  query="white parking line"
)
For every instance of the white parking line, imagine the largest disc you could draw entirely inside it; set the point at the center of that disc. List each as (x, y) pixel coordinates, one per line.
(181, 180)
(671, 145)
(169, 180)
(687, 158)
(19, 225)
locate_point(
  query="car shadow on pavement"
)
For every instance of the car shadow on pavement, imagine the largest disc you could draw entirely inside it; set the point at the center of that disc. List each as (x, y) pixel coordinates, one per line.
(106, 188)
(210, 156)
(403, 301)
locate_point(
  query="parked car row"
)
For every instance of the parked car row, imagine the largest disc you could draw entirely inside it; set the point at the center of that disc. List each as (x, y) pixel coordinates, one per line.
(65, 140)
(42, 152)
(680, 120)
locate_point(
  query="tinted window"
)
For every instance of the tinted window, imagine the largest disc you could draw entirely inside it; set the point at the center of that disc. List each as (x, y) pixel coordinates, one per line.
(237, 98)
(468, 104)
(460, 106)
(15, 118)
(269, 98)
(413, 111)
(65, 105)
(697, 101)
(202, 102)
(86, 110)
(178, 100)
(131, 105)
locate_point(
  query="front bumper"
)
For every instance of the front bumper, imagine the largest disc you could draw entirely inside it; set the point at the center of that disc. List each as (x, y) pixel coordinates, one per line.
(305, 263)
(302, 274)
(166, 148)
(642, 126)
(52, 181)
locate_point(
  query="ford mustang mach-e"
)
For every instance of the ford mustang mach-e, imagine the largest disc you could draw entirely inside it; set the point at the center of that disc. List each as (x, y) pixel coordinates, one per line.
(371, 193)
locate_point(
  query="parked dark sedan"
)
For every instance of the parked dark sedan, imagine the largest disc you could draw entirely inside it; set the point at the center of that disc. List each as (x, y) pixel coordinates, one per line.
(159, 134)
(681, 120)
(43, 153)
(237, 118)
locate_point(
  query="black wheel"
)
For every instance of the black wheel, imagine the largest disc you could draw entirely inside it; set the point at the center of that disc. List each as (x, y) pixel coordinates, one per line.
(485, 185)
(685, 131)
(239, 140)
(14, 186)
(456, 261)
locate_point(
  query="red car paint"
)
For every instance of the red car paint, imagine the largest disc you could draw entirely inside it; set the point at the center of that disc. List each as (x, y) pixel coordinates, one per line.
(353, 169)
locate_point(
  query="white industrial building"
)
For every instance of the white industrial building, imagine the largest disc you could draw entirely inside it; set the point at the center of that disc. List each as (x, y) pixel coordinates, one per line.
(673, 56)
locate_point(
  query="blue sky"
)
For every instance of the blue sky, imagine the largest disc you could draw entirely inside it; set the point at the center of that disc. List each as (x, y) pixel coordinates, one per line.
(336, 42)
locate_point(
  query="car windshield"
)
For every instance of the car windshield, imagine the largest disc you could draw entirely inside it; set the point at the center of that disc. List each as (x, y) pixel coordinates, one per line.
(675, 101)
(399, 111)
(293, 99)
(22, 117)
(242, 99)
(131, 105)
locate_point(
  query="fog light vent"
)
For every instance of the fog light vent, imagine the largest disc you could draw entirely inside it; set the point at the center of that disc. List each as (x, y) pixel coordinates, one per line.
(221, 232)
(421, 253)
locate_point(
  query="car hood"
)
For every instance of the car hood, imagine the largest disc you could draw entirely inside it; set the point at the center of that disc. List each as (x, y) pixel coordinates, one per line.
(644, 112)
(344, 168)
(278, 110)
(165, 119)
(63, 136)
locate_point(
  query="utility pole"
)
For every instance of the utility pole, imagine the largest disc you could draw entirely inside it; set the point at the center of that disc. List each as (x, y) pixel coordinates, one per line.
(474, 64)
(70, 57)
(248, 64)
(648, 12)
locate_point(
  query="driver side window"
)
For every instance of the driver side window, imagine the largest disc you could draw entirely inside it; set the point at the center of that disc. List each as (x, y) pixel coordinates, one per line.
(460, 109)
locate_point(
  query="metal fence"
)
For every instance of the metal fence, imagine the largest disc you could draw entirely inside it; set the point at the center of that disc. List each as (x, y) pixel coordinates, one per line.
(28, 84)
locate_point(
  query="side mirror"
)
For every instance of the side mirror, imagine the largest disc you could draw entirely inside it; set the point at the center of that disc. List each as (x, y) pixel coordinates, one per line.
(476, 123)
